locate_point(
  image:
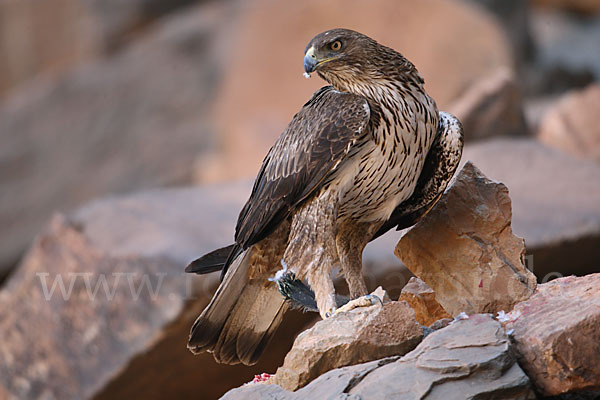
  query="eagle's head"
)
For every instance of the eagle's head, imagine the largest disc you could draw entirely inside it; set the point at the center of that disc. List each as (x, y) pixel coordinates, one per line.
(348, 59)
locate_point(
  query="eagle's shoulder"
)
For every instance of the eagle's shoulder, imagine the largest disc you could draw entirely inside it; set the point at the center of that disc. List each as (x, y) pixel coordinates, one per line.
(327, 103)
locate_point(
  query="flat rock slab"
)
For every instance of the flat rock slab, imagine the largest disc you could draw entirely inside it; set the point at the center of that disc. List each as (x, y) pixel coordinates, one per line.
(470, 359)
(181, 224)
(81, 322)
(555, 200)
(557, 335)
(349, 338)
(128, 305)
(464, 249)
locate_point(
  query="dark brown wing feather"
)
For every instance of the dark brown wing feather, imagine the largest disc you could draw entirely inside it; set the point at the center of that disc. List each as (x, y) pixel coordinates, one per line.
(210, 262)
(314, 143)
(311, 147)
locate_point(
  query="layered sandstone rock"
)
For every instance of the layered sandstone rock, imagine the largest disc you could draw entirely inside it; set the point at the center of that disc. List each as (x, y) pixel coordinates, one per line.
(464, 249)
(101, 308)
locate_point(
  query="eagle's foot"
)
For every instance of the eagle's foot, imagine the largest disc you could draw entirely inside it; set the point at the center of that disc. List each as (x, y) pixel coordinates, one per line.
(364, 301)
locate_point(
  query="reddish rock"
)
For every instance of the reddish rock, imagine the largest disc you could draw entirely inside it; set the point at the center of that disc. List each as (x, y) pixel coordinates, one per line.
(265, 95)
(464, 249)
(81, 30)
(353, 337)
(422, 299)
(557, 335)
(107, 346)
(72, 315)
(571, 124)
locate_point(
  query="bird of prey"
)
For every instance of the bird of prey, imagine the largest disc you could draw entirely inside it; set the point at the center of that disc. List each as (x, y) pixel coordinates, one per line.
(367, 153)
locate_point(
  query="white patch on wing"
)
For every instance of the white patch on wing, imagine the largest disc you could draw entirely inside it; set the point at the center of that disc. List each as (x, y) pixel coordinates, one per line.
(306, 75)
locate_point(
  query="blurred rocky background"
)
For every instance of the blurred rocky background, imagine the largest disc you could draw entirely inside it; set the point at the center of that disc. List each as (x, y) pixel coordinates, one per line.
(130, 132)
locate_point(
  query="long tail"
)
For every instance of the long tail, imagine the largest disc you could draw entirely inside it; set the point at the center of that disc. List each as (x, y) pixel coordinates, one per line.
(241, 318)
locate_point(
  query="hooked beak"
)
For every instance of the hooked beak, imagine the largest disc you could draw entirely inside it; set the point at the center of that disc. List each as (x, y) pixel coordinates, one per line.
(310, 61)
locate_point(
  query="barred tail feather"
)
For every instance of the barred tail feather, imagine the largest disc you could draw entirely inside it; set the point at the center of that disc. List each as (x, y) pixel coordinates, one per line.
(241, 318)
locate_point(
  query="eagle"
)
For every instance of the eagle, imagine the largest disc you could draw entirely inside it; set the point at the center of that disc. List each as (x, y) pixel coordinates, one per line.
(367, 153)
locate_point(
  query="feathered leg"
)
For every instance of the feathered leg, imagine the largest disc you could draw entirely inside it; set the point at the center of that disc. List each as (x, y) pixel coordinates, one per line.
(311, 253)
(351, 239)
(319, 279)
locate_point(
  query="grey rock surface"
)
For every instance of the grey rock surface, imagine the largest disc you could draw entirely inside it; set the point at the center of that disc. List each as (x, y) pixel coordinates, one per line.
(470, 359)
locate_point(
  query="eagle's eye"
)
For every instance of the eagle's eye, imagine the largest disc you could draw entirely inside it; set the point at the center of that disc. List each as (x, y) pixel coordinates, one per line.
(335, 46)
